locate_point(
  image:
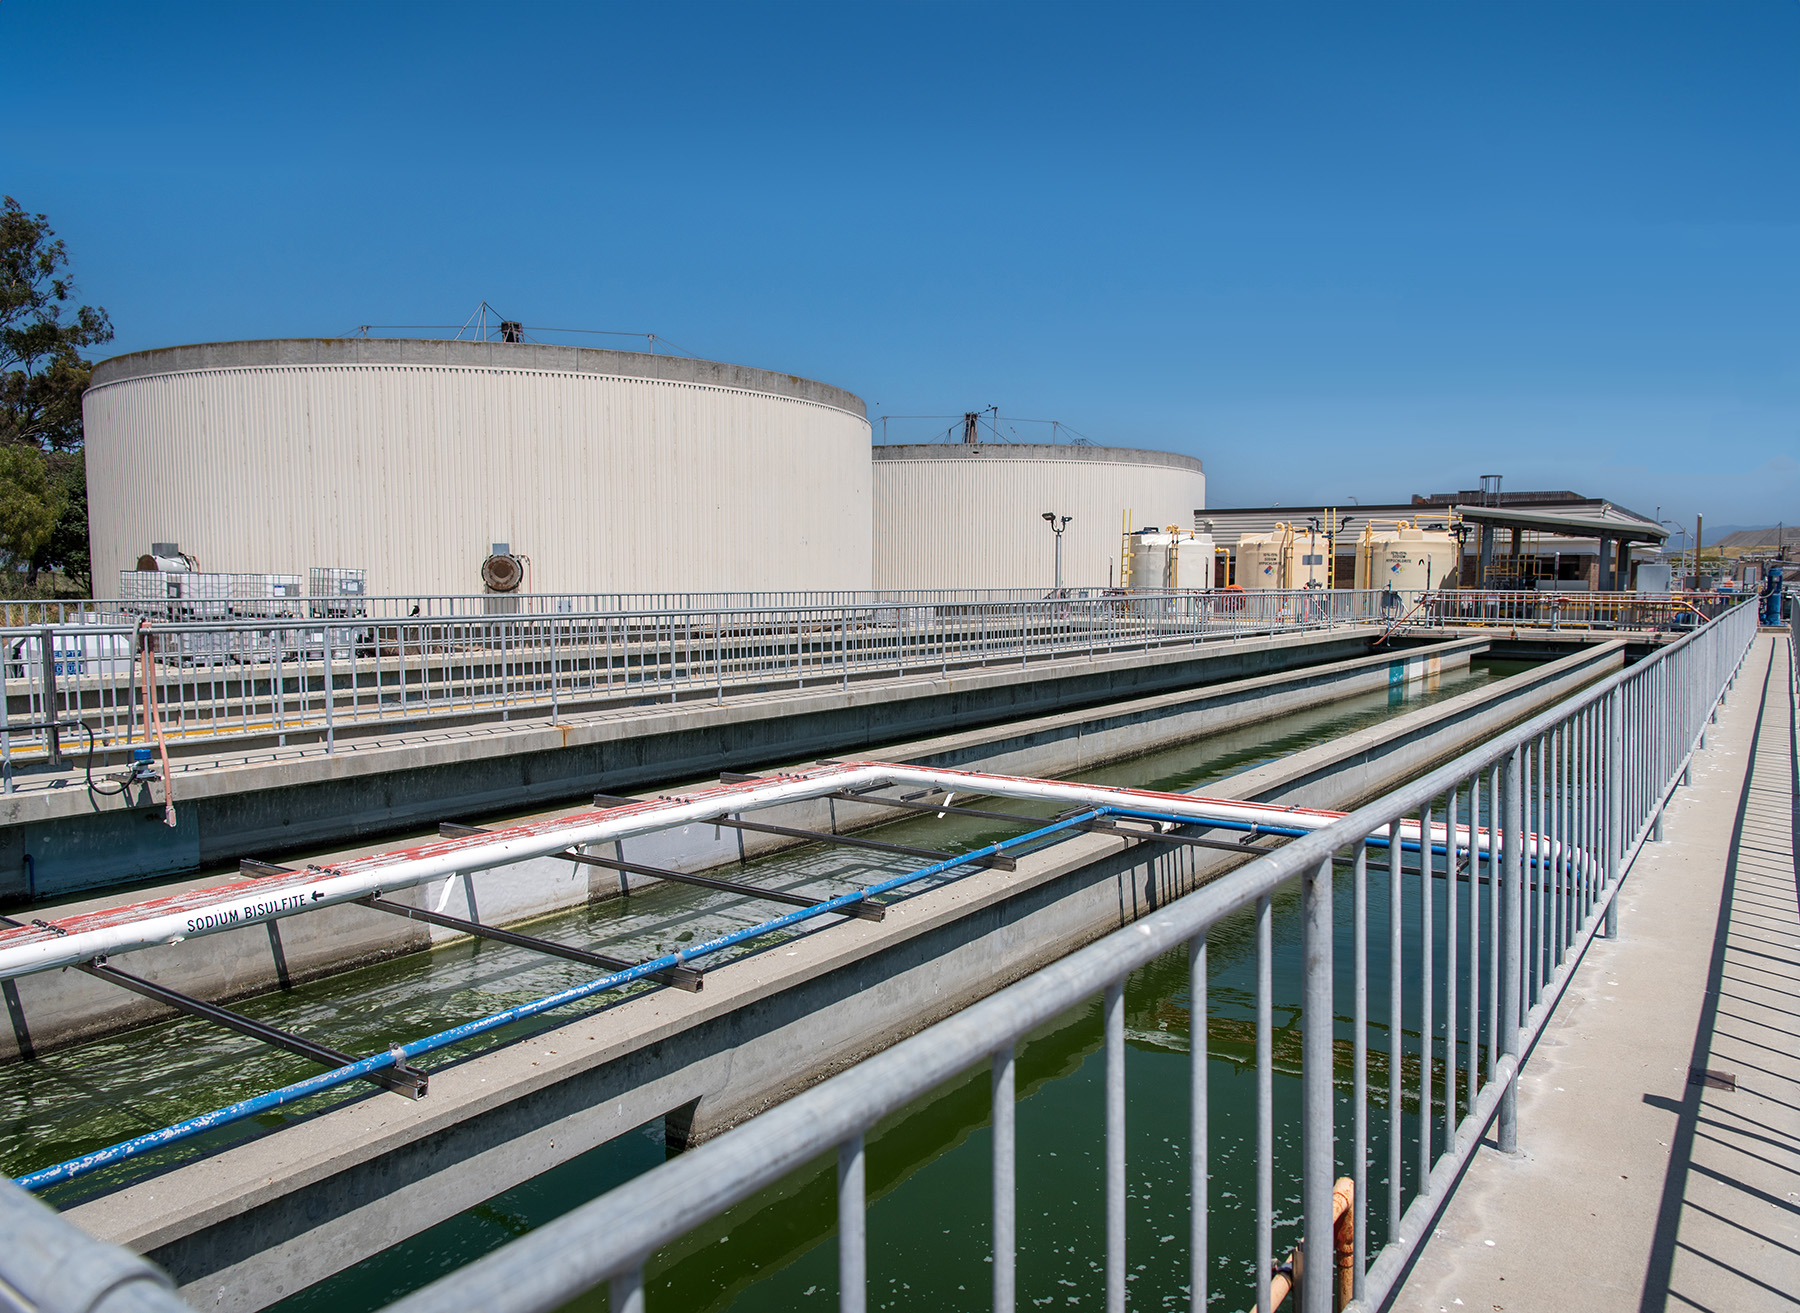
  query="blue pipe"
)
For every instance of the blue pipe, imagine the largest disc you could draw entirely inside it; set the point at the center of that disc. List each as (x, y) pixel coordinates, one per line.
(328, 1080)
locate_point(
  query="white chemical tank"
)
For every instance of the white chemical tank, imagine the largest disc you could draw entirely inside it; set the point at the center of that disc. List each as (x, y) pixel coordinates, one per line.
(1402, 556)
(1169, 558)
(1148, 552)
(1191, 562)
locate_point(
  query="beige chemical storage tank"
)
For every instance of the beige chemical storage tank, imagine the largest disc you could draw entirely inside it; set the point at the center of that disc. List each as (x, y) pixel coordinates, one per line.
(1403, 556)
(1308, 558)
(1262, 559)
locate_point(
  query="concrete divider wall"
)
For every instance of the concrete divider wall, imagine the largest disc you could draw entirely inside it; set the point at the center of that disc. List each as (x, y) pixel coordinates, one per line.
(271, 1216)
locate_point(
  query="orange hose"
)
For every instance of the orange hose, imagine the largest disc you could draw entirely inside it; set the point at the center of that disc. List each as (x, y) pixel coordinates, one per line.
(1343, 1236)
(153, 721)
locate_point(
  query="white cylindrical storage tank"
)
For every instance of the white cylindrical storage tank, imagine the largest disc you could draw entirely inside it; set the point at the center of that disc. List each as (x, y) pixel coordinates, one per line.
(956, 515)
(605, 471)
(1149, 561)
(1192, 555)
(1170, 558)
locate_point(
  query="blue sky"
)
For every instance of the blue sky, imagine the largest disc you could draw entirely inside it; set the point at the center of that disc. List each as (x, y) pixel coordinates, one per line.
(1335, 251)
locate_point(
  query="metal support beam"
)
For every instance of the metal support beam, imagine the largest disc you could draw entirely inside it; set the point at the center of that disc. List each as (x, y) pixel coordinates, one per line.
(995, 860)
(680, 977)
(907, 804)
(862, 911)
(400, 1079)
(1244, 845)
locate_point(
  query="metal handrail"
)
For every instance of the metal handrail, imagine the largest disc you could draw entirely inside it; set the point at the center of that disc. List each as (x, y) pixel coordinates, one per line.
(1605, 761)
(297, 680)
(610, 1238)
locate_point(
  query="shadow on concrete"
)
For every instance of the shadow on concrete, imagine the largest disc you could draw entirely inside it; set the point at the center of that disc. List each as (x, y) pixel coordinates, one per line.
(1692, 1109)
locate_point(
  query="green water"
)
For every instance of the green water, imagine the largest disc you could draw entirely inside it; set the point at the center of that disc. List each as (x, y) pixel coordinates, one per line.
(927, 1166)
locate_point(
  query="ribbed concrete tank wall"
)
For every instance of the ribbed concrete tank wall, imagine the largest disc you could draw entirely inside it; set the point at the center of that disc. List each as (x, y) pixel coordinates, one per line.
(953, 515)
(610, 470)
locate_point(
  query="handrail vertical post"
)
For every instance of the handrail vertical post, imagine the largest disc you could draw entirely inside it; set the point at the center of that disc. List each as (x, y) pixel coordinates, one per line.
(1005, 1181)
(52, 735)
(1396, 1032)
(1511, 906)
(1198, 1020)
(1360, 1039)
(627, 1291)
(853, 1251)
(1318, 1138)
(1115, 1147)
(330, 691)
(1265, 1101)
(1615, 804)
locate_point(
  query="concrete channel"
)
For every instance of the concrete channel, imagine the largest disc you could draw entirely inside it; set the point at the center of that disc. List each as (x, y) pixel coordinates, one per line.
(264, 1218)
(257, 797)
(49, 1012)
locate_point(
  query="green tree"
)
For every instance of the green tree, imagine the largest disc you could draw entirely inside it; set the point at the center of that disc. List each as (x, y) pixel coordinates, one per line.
(43, 486)
(28, 503)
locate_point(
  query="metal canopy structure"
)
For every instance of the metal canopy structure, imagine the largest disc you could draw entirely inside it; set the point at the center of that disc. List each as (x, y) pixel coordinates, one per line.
(1613, 527)
(1586, 520)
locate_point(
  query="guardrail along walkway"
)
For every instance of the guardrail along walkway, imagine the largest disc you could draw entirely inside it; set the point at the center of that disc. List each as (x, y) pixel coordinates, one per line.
(1660, 1113)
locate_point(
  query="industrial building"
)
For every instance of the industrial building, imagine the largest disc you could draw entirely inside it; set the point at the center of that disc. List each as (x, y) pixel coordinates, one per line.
(970, 515)
(1540, 541)
(599, 471)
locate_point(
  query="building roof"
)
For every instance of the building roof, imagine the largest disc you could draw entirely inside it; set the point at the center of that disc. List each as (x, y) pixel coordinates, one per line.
(1570, 528)
(1476, 497)
(1232, 523)
(1584, 519)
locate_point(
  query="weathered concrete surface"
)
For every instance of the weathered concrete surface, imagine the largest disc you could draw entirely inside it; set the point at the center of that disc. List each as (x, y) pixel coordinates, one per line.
(57, 1009)
(1637, 1188)
(59, 841)
(265, 1218)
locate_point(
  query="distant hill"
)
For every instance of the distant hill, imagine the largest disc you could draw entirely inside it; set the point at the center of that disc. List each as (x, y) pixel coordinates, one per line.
(1736, 539)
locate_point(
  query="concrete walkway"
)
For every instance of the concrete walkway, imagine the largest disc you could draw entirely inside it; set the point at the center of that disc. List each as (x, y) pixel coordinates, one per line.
(1643, 1183)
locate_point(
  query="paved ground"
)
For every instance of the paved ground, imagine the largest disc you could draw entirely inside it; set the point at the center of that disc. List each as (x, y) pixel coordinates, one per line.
(1641, 1185)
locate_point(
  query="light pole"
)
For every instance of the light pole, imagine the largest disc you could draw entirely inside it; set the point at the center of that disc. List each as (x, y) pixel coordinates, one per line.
(1050, 518)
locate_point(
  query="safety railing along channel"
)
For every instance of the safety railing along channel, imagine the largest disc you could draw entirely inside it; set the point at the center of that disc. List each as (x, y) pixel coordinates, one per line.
(1540, 825)
(1634, 612)
(225, 596)
(120, 679)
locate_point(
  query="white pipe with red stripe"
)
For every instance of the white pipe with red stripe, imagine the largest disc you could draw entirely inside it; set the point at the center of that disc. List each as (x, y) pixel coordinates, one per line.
(47, 944)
